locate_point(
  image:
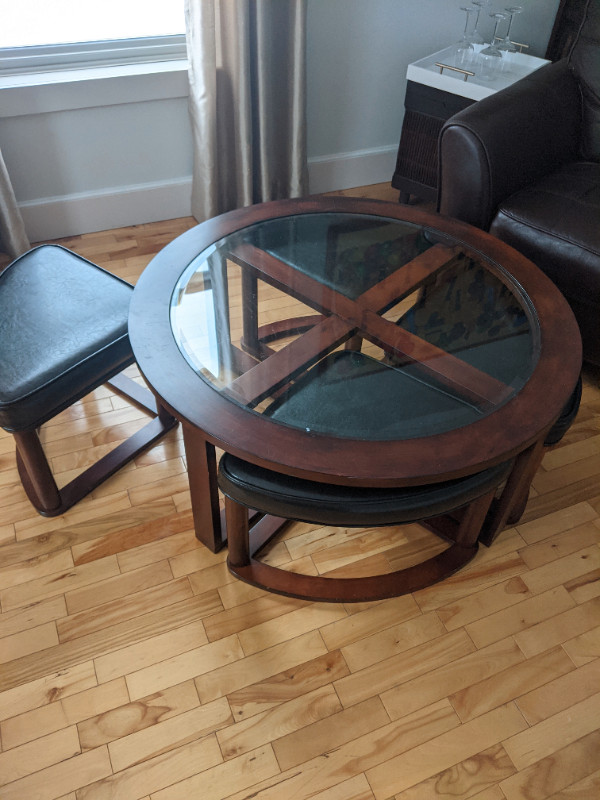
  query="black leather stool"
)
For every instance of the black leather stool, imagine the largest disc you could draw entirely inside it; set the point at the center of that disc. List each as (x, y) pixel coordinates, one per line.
(63, 333)
(246, 486)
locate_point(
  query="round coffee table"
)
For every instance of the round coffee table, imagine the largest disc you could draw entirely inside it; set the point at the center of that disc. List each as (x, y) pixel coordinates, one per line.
(352, 342)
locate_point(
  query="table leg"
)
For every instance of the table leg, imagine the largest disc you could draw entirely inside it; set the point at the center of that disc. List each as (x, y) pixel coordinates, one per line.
(250, 340)
(238, 540)
(509, 507)
(354, 343)
(202, 476)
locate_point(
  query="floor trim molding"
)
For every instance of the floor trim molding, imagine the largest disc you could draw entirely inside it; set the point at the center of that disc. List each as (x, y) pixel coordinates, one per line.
(349, 170)
(87, 212)
(72, 215)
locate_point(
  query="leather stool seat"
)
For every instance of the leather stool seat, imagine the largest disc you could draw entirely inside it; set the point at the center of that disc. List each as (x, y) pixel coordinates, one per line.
(63, 328)
(567, 417)
(353, 507)
(63, 332)
(247, 485)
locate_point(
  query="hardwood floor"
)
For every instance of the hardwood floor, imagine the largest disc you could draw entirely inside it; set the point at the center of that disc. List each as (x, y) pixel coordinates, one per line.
(134, 667)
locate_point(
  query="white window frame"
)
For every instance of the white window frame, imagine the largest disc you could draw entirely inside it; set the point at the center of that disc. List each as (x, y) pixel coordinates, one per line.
(83, 55)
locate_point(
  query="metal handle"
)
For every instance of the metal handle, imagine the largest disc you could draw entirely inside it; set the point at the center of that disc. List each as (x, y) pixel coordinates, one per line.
(464, 72)
(520, 45)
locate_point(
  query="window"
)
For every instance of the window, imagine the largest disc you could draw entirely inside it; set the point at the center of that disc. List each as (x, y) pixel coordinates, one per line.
(37, 35)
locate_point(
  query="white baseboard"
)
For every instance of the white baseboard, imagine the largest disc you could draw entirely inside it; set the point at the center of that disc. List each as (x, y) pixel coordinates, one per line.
(347, 170)
(71, 215)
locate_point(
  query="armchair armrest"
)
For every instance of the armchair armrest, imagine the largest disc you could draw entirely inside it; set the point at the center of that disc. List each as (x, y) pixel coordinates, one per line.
(497, 146)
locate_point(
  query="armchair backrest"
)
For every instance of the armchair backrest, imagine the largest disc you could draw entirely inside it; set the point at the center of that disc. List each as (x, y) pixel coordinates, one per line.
(506, 141)
(584, 60)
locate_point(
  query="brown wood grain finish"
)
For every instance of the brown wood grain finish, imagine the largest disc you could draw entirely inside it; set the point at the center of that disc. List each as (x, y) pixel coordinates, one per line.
(362, 315)
(167, 679)
(282, 367)
(228, 425)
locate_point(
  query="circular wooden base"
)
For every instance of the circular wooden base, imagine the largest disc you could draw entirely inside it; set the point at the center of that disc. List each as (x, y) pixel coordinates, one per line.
(345, 590)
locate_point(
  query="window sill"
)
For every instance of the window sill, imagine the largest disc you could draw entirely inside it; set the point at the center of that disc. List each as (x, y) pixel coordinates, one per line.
(65, 90)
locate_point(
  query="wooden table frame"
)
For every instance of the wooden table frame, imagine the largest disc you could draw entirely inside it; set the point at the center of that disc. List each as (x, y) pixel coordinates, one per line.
(211, 419)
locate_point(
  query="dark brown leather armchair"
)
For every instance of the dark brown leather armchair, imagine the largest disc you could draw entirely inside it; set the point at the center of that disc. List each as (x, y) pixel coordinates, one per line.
(525, 165)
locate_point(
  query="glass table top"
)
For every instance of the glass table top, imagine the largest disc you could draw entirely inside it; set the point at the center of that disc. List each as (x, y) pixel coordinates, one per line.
(355, 326)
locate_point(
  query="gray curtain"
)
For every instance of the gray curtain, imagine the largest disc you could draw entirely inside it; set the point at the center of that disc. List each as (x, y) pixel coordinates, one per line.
(247, 102)
(13, 239)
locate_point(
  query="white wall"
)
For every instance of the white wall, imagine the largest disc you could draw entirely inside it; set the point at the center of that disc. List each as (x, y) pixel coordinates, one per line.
(358, 52)
(105, 153)
(98, 153)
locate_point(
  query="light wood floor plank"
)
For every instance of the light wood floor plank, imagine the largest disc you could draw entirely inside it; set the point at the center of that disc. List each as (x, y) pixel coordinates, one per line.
(34, 568)
(565, 766)
(466, 779)
(118, 718)
(360, 755)
(391, 672)
(520, 617)
(340, 727)
(139, 527)
(61, 778)
(481, 604)
(24, 695)
(221, 781)
(450, 749)
(154, 774)
(540, 741)
(450, 679)
(30, 641)
(57, 583)
(510, 683)
(560, 629)
(212, 657)
(69, 710)
(22, 619)
(289, 626)
(242, 673)
(387, 643)
(169, 734)
(287, 685)
(109, 613)
(353, 789)
(104, 590)
(375, 617)
(105, 641)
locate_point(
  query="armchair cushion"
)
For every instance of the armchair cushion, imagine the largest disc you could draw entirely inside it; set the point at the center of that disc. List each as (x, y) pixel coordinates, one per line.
(555, 223)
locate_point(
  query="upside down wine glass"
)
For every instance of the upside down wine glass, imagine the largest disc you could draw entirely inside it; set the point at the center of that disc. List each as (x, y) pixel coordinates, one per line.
(490, 58)
(476, 37)
(506, 46)
(464, 52)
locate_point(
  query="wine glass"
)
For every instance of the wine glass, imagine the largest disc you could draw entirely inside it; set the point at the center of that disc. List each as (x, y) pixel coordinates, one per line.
(490, 58)
(464, 52)
(476, 37)
(506, 45)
